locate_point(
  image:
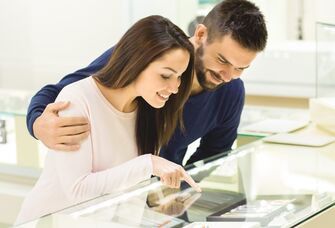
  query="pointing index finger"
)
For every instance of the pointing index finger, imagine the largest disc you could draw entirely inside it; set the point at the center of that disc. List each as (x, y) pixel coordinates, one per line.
(190, 181)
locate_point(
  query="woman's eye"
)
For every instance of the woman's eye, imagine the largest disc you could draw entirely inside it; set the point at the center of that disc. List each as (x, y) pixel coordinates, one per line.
(165, 76)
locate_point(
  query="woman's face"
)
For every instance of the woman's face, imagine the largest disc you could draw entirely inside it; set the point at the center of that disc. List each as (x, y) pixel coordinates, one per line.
(162, 77)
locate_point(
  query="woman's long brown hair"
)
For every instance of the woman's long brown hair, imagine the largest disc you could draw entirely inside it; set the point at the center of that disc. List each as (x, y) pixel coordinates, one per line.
(147, 40)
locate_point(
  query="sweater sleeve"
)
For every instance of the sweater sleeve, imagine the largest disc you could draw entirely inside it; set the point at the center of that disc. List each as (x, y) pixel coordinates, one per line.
(75, 170)
(49, 93)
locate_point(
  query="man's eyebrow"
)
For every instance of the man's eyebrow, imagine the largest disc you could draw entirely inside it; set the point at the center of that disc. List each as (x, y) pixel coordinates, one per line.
(169, 68)
(224, 59)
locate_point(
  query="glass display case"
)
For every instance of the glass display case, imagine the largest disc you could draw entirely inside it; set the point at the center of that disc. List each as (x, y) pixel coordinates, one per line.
(325, 60)
(259, 185)
(20, 154)
(17, 147)
(322, 108)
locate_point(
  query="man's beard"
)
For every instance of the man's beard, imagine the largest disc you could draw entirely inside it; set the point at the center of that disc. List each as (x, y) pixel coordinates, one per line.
(201, 72)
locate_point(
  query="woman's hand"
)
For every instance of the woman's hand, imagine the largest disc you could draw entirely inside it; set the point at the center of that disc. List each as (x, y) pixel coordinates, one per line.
(171, 174)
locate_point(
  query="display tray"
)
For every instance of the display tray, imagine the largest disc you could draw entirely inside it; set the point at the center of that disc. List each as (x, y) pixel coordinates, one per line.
(263, 209)
(314, 140)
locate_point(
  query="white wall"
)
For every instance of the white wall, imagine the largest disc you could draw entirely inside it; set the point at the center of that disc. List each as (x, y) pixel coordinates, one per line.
(323, 12)
(282, 16)
(180, 12)
(288, 67)
(41, 41)
(275, 13)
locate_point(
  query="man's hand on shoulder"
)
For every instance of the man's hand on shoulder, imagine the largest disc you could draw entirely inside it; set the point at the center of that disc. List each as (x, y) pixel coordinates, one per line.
(60, 133)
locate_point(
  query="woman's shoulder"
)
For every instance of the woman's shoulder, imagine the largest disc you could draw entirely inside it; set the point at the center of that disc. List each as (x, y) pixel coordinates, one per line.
(83, 89)
(79, 94)
(80, 87)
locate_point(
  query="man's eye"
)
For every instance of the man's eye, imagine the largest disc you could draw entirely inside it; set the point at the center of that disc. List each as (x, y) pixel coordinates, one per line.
(222, 61)
(239, 69)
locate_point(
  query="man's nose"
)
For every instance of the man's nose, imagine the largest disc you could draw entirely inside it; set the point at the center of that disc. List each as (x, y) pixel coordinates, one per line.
(227, 74)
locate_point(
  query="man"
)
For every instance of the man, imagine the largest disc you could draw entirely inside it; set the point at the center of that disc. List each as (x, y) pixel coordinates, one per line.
(225, 44)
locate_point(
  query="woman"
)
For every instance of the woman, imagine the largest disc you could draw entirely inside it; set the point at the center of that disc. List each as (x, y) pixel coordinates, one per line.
(133, 104)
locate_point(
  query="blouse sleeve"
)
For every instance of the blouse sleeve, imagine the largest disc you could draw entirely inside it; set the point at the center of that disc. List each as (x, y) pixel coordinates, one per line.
(74, 169)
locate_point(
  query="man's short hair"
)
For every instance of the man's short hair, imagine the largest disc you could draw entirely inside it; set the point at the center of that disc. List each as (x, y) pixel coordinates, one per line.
(239, 18)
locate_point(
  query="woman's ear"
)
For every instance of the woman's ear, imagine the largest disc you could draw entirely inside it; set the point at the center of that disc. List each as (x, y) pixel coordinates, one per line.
(200, 34)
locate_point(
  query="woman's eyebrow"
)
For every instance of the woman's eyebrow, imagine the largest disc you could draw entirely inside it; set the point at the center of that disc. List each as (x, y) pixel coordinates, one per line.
(169, 68)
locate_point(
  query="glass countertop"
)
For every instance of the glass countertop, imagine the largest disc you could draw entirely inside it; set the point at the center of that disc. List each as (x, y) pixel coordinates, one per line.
(258, 185)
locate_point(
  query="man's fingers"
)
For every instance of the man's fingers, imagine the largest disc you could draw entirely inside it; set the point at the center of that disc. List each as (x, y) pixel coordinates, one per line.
(57, 106)
(72, 121)
(73, 139)
(67, 148)
(73, 130)
(191, 182)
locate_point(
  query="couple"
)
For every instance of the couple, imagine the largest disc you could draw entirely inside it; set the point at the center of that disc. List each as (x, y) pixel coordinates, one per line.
(128, 109)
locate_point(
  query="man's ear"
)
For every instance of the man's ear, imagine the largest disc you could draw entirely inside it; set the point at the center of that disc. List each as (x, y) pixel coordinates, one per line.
(200, 34)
